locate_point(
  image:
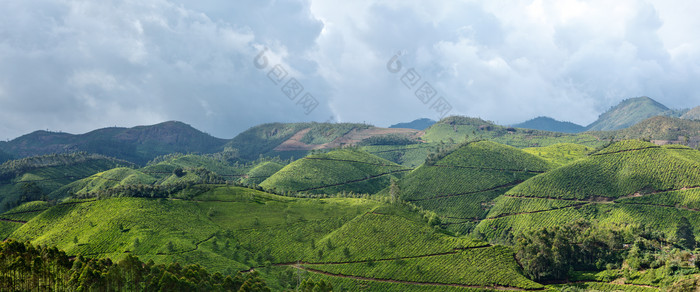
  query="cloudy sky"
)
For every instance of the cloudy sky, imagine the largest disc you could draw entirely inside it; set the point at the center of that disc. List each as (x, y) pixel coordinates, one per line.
(224, 66)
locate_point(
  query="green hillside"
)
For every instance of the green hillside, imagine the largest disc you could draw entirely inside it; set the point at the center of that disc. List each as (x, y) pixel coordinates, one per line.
(460, 186)
(407, 155)
(35, 178)
(164, 166)
(262, 171)
(560, 154)
(630, 181)
(630, 112)
(458, 129)
(346, 170)
(138, 144)
(346, 241)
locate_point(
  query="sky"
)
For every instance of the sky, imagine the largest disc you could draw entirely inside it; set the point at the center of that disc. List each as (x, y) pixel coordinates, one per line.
(225, 66)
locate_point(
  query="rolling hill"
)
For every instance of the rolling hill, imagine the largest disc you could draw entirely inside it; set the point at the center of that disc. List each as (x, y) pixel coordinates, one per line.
(345, 170)
(460, 186)
(552, 125)
(615, 184)
(630, 112)
(37, 177)
(138, 144)
(349, 242)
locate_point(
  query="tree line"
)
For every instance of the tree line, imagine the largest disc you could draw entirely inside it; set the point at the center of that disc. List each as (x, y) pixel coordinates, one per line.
(26, 267)
(552, 254)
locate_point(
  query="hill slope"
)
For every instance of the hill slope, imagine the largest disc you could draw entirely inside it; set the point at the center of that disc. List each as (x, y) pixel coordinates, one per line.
(347, 241)
(461, 186)
(457, 129)
(35, 178)
(138, 144)
(343, 170)
(608, 184)
(552, 125)
(630, 112)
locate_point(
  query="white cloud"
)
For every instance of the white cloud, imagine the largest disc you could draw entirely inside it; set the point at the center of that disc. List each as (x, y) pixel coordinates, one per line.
(76, 65)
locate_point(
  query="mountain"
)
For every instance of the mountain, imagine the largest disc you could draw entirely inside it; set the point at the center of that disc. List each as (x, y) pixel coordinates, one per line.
(552, 125)
(4, 157)
(632, 181)
(419, 124)
(138, 144)
(692, 114)
(297, 139)
(344, 170)
(630, 112)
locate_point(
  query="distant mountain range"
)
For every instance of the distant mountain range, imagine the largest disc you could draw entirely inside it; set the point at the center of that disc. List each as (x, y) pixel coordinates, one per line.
(144, 143)
(138, 144)
(420, 124)
(549, 124)
(624, 115)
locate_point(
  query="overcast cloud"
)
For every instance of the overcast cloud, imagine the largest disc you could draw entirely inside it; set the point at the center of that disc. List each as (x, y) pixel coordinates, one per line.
(75, 66)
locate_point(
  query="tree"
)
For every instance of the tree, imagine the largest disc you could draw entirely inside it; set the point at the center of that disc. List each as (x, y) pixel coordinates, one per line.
(394, 191)
(179, 172)
(684, 234)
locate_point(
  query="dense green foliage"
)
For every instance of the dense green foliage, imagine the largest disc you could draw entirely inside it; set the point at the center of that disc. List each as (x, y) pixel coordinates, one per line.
(552, 125)
(388, 140)
(27, 267)
(346, 170)
(633, 253)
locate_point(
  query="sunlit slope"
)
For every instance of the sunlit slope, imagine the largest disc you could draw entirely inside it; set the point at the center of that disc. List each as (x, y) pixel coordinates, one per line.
(345, 170)
(461, 185)
(232, 228)
(629, 181)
